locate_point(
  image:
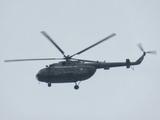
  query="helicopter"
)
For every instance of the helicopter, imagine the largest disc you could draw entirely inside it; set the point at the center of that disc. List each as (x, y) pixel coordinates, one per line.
(72, 70)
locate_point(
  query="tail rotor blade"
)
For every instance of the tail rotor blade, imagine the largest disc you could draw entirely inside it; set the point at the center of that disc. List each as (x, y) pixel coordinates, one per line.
(152, 52)
(140, 47)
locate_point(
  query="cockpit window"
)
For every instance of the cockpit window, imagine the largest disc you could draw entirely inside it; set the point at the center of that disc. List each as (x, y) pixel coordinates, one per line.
(43, 71)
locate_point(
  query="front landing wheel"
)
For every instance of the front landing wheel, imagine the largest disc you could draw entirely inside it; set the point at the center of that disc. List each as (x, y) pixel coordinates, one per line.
(76, 87)
(49, 84)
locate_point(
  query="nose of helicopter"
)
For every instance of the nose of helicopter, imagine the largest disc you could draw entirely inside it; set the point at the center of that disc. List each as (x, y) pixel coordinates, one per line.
(37, 75)
(41, 75)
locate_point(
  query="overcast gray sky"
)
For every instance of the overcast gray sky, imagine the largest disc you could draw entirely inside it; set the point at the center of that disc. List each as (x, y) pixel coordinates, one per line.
(115, 94)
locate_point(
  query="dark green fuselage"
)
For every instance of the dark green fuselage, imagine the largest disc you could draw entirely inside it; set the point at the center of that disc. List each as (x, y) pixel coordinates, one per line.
(64, 72)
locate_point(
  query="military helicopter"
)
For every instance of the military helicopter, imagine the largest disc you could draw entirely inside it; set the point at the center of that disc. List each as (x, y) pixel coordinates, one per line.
(76, 70)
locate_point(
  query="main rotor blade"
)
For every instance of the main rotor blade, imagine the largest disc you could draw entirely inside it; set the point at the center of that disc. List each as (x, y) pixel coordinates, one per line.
(18, 60)
(94, 44)
(51, 40)
(83, 60)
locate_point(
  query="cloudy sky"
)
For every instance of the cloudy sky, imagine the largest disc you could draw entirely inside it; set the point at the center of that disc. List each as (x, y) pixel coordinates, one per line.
(115, 94)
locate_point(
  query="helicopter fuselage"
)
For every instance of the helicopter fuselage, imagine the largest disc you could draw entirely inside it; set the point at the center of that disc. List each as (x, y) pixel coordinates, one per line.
(65, 72)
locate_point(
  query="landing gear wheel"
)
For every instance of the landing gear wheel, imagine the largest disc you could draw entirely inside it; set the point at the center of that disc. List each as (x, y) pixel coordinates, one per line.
(49, 84)
(76, 87)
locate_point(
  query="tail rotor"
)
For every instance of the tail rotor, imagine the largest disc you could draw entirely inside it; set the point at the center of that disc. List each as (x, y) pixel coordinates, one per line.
(150, 52)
